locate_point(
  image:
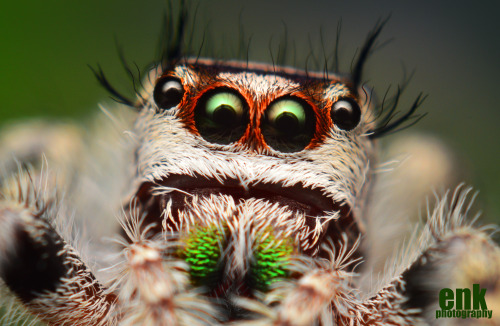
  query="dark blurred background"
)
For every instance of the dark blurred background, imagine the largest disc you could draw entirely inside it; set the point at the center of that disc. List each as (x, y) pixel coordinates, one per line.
(454, 46)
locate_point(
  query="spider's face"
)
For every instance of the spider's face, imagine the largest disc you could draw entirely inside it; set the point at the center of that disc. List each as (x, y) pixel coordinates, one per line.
(253, 151)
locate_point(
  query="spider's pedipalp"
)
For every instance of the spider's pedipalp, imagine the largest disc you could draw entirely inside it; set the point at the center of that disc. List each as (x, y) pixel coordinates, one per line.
(40, 267)
(153, 286)
(323, 293)
(314, 299)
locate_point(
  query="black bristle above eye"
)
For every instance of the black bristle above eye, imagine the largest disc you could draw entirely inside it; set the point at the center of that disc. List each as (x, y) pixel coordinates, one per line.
(172, 49)
(171, 45)
(367, 49)
(390, 120)
(117, 96)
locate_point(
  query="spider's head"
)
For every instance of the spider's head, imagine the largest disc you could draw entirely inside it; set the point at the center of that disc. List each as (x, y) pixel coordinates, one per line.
(249, 152)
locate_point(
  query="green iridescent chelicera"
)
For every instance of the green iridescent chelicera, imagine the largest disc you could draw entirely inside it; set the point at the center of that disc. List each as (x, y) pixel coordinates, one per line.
(270, 261)
(224, 108)
(202, 251)
(287, 115)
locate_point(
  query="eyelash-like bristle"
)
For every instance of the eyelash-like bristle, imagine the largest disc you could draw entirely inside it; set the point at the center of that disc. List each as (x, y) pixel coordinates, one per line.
(171, 50)
(172, 43)
(367, 49)
(390, 120)
(103, 80)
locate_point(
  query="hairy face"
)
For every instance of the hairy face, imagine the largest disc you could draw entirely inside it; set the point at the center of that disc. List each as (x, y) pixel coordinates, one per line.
(254, 151)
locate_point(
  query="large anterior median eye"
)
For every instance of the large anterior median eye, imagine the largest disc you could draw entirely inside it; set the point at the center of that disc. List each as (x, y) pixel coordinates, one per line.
(168, 92)
(288, 124)
(221, 116)
(224, 109)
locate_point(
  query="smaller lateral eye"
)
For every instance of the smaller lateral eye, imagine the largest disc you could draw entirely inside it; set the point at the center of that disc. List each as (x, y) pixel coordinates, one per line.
(168, 92)
(346, 114)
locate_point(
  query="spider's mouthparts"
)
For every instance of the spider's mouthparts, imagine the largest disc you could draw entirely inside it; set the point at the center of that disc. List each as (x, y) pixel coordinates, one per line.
(305, 214)
(218, 264)
(312, 201)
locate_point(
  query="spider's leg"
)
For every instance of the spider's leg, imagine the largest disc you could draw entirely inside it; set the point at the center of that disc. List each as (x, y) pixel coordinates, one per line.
(449, 253)
(34, 143)
(413, 168)
(453, 254)
(154, 286)
(40, 268)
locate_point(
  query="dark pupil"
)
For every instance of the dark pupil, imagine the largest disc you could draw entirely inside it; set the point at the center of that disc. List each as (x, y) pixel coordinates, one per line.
(225, 115)
(287, 123)
(171, 97)
(344, 116)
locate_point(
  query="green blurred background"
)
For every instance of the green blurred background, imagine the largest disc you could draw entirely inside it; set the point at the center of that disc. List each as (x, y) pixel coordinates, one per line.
(453, 45)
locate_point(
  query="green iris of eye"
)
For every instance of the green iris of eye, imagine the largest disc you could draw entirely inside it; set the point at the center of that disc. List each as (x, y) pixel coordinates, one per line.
(224, 108)
(288, 116)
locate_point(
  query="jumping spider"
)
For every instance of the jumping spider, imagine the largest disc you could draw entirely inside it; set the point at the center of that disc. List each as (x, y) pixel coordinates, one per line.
(250, 199)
